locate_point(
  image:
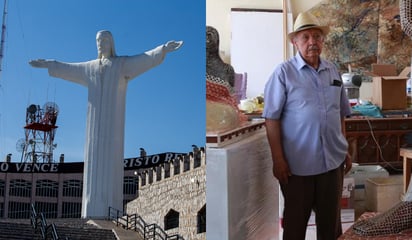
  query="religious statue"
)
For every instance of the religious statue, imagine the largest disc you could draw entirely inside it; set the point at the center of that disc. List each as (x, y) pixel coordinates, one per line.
(106, 79)
(215, 66)
(222, 113)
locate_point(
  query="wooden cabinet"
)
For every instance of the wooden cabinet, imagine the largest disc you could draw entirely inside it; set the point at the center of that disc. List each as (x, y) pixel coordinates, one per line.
(376, 141)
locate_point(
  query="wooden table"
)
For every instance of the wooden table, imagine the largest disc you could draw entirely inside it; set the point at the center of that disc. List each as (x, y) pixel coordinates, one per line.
(406, 153)
(377, 141)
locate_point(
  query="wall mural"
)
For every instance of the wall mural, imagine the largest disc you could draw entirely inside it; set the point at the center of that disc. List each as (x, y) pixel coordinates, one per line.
(365, 32)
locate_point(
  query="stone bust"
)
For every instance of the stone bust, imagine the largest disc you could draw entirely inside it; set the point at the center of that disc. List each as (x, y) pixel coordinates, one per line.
(215, 66)
(222, 113)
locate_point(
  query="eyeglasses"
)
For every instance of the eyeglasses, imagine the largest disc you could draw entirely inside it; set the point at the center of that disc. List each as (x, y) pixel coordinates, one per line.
(305, 37)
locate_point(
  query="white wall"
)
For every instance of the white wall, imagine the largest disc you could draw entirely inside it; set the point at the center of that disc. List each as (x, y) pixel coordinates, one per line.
(218, 15)
(256, 46)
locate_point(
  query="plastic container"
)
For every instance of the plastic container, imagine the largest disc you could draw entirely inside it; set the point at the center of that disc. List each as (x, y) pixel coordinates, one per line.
(381, 194)
(361, 173)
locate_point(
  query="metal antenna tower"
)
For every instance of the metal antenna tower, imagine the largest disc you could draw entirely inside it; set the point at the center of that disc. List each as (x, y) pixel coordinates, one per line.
(40, 129)
(3, 35)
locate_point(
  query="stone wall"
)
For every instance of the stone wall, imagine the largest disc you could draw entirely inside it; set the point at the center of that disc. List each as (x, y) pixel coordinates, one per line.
(183, 190)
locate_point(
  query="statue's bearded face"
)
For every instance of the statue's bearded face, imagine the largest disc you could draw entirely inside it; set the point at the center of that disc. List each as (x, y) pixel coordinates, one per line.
(212, 39)
(103, 42)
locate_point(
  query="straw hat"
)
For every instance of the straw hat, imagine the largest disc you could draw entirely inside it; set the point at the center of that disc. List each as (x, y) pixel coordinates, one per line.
(305, 21)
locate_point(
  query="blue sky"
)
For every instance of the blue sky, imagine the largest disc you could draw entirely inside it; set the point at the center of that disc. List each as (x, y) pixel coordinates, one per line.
(165, 107)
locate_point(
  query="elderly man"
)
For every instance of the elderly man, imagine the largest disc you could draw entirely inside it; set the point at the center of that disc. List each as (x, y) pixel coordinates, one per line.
(305, 104)
(106, 79)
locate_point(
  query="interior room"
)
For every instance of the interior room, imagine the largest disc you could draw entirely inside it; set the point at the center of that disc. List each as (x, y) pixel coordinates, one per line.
(372, 51)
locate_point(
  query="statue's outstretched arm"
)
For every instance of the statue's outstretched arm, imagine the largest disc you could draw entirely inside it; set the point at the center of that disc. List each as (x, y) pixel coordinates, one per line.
(40, 63)
(74, 72)
(173, 46)
(140, 63)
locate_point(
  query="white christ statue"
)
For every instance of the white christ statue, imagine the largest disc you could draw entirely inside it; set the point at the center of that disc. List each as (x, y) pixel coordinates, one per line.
(106, 79)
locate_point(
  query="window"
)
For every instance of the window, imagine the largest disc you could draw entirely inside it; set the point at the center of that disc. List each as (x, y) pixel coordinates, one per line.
(47, 188)
(19, 210)
(47, 208)
(130, 185)
(2, 187)
(171, 219)
(72, 188)
(20, 188)
(201, 220)
(1, 210)
(71, 209)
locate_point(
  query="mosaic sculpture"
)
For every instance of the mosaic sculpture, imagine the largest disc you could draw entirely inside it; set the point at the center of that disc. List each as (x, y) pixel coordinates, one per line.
(405, 9)
(222, 113)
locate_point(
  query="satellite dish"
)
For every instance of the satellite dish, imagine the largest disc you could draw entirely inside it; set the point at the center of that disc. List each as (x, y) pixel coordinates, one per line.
(21, 145)
(51, 108)
(32, 109)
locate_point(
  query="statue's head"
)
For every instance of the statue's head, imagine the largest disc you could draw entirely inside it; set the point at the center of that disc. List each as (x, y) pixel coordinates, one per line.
(105, 44)
(212, 40)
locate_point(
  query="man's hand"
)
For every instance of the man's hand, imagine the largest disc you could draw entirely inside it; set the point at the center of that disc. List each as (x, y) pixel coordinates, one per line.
(281, 171)
(348, 163)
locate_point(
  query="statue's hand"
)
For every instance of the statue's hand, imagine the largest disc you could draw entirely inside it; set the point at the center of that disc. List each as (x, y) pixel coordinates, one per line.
(173, 45)
(39, 63)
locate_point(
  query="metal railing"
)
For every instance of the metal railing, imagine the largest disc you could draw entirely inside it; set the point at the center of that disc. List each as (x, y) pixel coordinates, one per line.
(39, 223)
(136, 223)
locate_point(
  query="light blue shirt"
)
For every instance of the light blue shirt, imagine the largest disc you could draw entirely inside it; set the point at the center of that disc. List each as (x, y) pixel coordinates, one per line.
(310, 106)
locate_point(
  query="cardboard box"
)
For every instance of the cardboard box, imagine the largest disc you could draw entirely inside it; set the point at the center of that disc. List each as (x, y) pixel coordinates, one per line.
(383, 193)
(388, 88)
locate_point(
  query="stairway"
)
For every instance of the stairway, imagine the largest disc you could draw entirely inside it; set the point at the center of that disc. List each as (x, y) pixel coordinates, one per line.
(22, 231)
(73, 229)
(81, 232)
(120, 232)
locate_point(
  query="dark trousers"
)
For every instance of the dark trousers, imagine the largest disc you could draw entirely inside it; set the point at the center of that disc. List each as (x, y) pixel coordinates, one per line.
(321, 193)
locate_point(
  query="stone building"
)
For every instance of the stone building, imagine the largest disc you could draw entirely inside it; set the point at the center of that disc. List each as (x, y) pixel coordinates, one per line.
(173, 196)
(167, 189)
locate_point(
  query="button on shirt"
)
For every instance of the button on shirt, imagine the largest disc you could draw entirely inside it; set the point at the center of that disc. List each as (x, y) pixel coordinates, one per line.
(310, 106)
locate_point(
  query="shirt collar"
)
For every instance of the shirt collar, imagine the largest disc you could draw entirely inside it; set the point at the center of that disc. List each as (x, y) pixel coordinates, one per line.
(301, 63)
